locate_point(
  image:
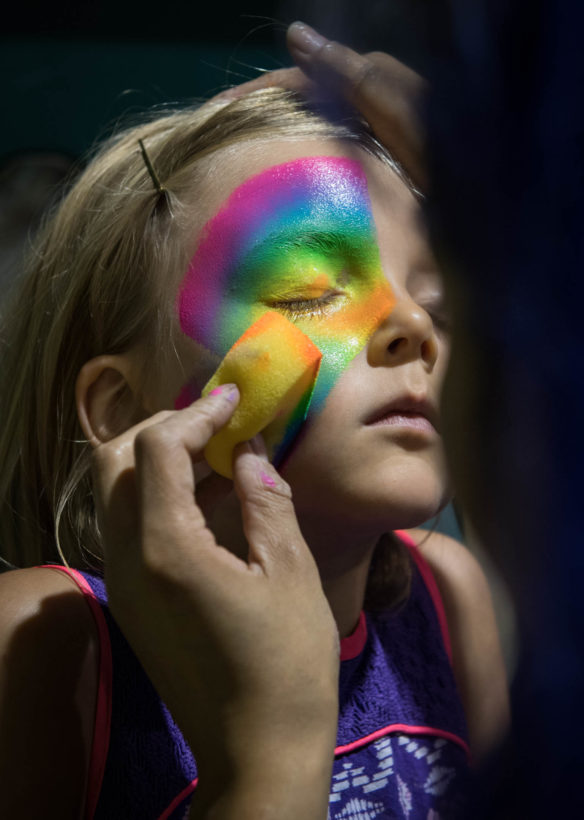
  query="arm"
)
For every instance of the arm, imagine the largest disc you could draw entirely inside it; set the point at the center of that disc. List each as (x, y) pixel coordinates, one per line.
(217, 633)
(291, 780)
(48, 682)
(477, 659)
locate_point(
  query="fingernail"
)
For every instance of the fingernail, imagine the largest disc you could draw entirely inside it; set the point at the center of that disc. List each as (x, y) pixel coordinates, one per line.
(228, 391)
(258, 446)
(267, 479)
(304, 38)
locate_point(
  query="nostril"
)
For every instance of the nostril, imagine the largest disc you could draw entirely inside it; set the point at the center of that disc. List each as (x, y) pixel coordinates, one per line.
(393, 346)
(430, 351)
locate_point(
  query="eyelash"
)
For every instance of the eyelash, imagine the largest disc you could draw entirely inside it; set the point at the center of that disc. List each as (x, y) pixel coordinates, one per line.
(298, 308)
(306, 308)
(440, 320)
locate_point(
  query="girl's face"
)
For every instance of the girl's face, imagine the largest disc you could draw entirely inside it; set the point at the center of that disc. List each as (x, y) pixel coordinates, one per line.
(329, 238)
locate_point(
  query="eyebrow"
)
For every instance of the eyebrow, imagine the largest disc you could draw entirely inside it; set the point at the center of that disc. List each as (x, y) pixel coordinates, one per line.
(322, 241)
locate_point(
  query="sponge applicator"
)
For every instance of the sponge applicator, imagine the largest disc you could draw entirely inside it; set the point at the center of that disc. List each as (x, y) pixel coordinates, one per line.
(274, 365)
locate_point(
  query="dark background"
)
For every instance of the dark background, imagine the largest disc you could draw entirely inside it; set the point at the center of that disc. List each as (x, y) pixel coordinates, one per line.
(71, 71)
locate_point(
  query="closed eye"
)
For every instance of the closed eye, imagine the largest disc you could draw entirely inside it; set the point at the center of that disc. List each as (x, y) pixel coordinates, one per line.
(296, 308)
(441, 319)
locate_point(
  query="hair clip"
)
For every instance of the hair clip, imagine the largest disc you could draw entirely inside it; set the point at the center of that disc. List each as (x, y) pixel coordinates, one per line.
(160, 188)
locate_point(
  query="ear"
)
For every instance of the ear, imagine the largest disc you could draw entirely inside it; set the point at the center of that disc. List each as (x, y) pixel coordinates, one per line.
(107, 404)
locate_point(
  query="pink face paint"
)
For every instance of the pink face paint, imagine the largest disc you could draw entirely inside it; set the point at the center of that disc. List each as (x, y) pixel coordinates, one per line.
(298, 238)
(267, 479)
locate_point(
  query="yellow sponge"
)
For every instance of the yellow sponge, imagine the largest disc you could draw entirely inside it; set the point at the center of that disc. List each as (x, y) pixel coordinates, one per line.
(274, 365)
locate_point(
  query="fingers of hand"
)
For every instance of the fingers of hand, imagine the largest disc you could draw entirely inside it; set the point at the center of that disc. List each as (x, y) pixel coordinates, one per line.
(357, 74)
(114, 457)
(386, 92)
(325, 60)
(161, 446)
(269, 520)
(114, 488)
(164, 456)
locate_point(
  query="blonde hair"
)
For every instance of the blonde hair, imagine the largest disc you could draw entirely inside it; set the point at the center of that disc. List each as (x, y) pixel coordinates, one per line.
(97, 282)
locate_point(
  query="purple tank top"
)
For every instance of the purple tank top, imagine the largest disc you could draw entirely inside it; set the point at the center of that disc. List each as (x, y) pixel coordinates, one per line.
(401, 745)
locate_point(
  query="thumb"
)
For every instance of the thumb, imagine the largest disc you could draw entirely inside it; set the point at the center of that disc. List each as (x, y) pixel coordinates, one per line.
(270, 525)
(327, 61)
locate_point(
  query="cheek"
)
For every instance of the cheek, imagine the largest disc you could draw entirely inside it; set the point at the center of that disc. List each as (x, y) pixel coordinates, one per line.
(230, 325)
(232, 319)
(342, 336)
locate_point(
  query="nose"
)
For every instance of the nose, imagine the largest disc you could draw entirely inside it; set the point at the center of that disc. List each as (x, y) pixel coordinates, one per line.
(405, 335)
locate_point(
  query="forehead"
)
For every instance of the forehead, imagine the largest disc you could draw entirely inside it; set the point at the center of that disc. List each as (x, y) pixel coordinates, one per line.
(227, 170)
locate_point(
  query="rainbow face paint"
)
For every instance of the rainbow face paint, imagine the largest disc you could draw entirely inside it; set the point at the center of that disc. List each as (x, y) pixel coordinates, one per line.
(299, 239)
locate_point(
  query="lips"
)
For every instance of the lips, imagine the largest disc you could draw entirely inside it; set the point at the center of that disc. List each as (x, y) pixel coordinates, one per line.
(406, 409)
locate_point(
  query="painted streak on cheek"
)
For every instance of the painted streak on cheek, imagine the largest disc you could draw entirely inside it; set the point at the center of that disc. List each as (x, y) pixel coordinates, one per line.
(339, 337)
(344, 334)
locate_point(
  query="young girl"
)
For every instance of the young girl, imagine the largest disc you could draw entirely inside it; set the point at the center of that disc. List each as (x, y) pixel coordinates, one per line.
(204, 680)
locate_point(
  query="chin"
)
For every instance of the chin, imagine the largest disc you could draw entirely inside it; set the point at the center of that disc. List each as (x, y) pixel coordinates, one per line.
(372, 504)
(416, 494)
(373, 488)
(399, 511)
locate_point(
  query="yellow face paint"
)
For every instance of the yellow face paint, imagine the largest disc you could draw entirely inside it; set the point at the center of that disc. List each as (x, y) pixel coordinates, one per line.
(275, 366)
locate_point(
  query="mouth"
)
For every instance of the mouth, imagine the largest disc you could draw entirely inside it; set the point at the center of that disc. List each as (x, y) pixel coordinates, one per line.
(416, 413)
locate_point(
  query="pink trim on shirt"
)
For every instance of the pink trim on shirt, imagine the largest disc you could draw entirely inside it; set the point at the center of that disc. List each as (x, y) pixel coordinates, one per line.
(353, 644)
(103, 706)
(402, 728)
(393, 728)
(351, 647)
(432, 587)
(178, 799)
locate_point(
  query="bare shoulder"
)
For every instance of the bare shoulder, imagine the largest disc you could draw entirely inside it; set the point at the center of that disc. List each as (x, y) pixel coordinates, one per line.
(21, 589)
(457, 571)
(44, 612)
(48, 684)
(477, 658)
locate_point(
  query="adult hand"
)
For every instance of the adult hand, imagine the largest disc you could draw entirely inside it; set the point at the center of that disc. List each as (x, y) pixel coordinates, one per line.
(244, 652)
(387, 93)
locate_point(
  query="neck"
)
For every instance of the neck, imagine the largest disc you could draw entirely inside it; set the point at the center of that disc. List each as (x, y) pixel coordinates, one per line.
(342, 557)
(345, 592)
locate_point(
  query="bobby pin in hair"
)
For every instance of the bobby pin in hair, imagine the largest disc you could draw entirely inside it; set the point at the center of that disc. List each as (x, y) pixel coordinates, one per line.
(160, 188)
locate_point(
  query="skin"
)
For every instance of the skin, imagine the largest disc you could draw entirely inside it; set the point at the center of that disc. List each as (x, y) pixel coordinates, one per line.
(379, 479)
(215, 586)
(49, 651)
